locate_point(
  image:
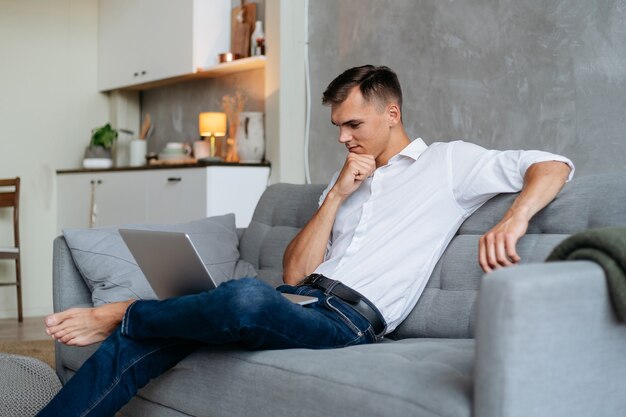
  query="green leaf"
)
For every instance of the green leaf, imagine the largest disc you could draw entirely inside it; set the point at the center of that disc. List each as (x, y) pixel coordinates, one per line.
(103, 136)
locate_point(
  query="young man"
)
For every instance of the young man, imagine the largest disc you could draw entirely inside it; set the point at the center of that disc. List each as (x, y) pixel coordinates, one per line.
(382, 224)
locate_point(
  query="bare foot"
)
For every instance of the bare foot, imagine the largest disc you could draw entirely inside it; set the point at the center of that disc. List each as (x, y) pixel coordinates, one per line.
(85, 326)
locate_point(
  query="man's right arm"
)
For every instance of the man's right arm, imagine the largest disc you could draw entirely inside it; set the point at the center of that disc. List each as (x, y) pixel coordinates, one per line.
(306, 251)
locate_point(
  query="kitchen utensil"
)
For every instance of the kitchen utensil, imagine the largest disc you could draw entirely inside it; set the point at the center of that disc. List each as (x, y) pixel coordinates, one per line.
(243, 19)
(228, 57)
(145, 126)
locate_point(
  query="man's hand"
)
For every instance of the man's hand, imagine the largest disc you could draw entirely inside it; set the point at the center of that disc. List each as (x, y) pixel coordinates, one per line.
(306, 251)
(497, 247)
(542, 182)
(356, 169)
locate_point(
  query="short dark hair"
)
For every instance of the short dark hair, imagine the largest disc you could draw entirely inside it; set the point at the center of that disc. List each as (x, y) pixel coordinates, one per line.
(379, 83)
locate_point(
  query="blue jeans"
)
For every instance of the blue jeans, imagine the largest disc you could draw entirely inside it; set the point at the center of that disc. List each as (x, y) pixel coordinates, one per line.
(155, 335)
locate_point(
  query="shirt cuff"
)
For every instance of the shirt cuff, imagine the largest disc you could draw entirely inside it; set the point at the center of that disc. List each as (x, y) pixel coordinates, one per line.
(549, 158)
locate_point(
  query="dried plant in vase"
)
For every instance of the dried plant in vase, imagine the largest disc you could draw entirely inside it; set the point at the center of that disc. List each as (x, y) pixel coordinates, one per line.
(233, 106)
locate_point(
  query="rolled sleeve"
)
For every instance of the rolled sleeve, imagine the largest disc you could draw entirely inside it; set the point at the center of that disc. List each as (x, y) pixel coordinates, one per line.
(478, 174)
(533, 157)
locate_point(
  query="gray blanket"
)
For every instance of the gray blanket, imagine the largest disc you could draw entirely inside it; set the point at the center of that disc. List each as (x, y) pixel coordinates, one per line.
(607, 247)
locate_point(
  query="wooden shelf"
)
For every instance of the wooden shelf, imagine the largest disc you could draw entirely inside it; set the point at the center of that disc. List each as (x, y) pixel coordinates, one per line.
(239, 65)
(219, 70)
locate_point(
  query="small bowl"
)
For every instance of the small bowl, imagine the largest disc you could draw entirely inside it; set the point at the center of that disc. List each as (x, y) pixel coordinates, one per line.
(228, 57)
(174, 145)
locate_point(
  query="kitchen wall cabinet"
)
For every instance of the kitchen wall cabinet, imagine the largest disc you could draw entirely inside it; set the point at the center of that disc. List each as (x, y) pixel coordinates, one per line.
(111, 198)
(141, 41)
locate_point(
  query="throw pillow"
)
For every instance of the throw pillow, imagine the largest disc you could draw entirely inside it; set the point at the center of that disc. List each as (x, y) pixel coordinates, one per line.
(111, 273)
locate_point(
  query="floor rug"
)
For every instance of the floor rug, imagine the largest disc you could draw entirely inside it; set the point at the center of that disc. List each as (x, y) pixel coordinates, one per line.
(40, 349)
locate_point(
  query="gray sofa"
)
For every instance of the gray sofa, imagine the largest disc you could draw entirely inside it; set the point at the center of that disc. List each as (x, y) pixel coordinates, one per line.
(536, 340)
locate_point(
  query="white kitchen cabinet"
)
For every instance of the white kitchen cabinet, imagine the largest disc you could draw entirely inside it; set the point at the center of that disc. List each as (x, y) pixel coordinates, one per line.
(141, 41)
(177, 195)
(111, 198)
(102, 199)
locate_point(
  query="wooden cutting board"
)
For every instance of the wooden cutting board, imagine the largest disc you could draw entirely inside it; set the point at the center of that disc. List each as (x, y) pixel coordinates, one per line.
(241, 31)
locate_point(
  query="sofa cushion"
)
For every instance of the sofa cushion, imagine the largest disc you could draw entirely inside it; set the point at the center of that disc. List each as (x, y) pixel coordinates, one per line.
(280, 214)
(426, 377)
(111, 273)
(447, 306)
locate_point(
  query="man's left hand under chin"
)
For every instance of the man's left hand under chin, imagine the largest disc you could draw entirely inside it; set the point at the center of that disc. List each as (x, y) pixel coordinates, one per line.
(497, 247)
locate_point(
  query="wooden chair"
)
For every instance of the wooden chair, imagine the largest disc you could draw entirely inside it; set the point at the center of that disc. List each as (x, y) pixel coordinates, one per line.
(12, 199)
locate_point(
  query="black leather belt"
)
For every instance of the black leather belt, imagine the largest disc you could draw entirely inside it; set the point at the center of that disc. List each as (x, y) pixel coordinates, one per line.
(353, 298)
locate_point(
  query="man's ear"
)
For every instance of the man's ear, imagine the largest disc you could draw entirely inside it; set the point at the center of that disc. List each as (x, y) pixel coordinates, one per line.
(393, 114)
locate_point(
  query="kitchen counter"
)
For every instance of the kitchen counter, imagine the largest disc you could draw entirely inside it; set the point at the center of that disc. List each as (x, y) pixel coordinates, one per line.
(158, 194)
(199, 164)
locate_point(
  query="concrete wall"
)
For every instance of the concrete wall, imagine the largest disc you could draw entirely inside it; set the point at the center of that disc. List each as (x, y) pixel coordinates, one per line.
(48, 105)
(543, 74)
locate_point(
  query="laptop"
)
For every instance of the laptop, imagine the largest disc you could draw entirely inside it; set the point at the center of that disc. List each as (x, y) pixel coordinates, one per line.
(172, 265)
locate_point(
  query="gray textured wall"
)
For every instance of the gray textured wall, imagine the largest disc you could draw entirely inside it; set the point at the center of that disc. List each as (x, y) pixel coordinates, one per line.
(506, 74)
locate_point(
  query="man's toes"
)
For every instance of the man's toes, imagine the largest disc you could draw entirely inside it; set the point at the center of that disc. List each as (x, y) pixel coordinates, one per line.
(58, 318)
(60, 334)
(51, 320)
(79, 340)
(56, 329)
(66, 338)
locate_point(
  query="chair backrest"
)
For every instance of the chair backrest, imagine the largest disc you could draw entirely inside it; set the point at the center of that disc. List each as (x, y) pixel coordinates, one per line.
(11, 198)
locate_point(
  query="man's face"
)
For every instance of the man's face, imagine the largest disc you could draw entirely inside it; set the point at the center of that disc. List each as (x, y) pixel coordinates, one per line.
(363, 127)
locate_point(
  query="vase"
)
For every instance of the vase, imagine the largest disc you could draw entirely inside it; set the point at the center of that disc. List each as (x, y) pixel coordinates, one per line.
(97, 152)
(250, 137)
(97, 157)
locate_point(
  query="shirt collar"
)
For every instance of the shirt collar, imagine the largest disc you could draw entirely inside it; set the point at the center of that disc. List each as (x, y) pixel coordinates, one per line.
(414, 149)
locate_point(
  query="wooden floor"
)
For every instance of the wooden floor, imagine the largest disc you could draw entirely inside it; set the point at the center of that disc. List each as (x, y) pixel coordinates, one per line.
(32, 328)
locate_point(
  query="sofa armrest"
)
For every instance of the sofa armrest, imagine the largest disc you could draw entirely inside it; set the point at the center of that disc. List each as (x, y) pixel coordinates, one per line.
(548, 343)
(69, 288)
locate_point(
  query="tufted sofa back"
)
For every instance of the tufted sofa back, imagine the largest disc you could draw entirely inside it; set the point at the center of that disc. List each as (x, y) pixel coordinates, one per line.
(447, 306)
(281, 212)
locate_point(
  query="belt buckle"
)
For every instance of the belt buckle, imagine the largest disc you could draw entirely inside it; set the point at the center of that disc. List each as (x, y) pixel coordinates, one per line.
(313, 279)
(309, 280)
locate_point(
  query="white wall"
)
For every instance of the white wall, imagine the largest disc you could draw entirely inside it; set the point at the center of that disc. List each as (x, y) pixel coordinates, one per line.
(48, 105)
(285, 89)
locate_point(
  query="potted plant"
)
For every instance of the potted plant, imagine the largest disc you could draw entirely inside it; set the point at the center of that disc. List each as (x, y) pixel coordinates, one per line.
(102, 139)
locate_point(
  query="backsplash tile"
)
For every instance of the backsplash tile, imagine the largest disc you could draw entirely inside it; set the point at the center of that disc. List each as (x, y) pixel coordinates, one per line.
(174, 109)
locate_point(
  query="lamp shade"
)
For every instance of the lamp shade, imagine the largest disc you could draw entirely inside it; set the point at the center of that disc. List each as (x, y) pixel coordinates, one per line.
(212, 124)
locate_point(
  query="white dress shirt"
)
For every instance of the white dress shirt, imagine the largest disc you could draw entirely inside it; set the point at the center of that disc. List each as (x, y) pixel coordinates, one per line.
(389, 234)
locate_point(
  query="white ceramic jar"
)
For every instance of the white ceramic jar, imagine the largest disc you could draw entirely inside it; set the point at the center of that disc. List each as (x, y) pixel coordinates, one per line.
(250, 137)
(138, 149)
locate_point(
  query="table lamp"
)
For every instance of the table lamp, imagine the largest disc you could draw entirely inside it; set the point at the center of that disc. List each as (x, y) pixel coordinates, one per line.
(212, 124)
